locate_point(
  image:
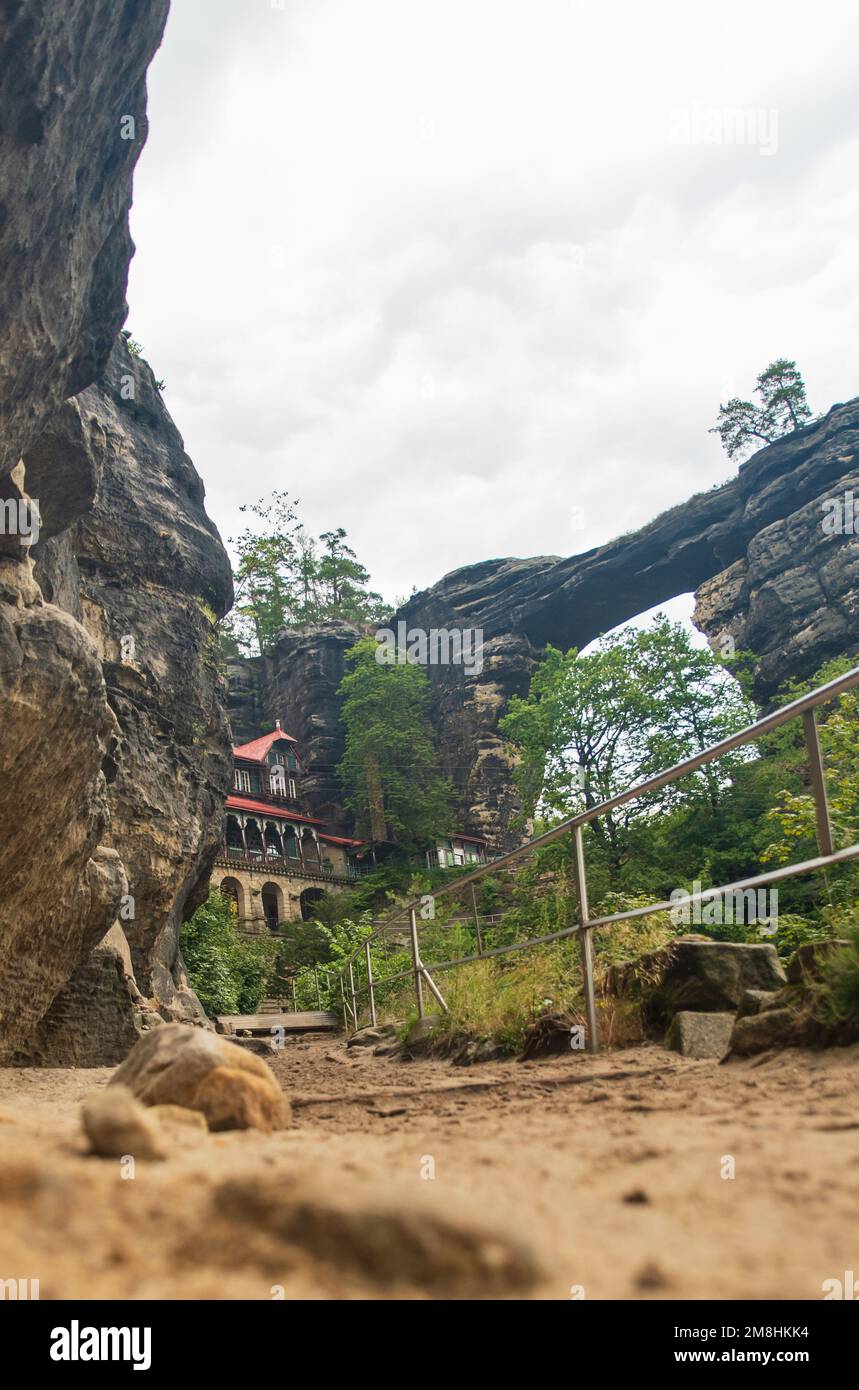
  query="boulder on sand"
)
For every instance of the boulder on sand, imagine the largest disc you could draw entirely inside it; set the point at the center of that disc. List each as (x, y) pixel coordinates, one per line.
(770, 1028)
(191, 1067)
(694, 974)
(712, 976)
(118, 1126)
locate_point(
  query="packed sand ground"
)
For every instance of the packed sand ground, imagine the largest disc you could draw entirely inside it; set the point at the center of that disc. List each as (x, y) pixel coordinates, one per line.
(601, 1175)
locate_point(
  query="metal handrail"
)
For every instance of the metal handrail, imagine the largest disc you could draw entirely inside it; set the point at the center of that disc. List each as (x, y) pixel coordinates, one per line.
(805, 707)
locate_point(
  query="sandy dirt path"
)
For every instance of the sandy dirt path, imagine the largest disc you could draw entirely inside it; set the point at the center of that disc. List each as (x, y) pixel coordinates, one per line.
(546, 1179)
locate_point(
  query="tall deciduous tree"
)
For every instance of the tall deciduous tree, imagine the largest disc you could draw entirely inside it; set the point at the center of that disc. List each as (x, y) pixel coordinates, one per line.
(389, 770)
(593, 725)
(283, 580)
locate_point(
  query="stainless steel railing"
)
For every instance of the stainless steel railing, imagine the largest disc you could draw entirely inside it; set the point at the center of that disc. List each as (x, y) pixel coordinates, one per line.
(805, 708)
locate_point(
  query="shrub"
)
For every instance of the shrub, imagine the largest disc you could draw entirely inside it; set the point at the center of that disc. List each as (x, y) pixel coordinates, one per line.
(228, 972)
(838, 992)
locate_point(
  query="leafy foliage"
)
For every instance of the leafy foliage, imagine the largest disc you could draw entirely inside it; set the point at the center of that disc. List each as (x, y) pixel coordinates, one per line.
(389, 770)
(228, 972)
(593, 725)
(783, 407)
(838, 996)
(284, 579)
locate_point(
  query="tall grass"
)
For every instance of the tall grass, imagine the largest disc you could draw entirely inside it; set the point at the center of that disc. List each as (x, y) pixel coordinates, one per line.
(837, 995)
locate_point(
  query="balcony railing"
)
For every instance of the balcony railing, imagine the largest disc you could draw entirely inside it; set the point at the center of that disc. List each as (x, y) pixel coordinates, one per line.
(277, 864)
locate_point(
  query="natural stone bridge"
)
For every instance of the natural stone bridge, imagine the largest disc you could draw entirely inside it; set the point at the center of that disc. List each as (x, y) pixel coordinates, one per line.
(754, 549)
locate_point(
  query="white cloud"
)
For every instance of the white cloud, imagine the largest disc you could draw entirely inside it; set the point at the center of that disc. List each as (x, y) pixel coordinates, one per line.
(438, 270)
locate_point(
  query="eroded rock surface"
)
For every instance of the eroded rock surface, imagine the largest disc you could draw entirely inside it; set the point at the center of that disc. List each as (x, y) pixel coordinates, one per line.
(766, 573)
(73, 97)
(145, 569)
(113, 762)
(61, 884)
(297, 682)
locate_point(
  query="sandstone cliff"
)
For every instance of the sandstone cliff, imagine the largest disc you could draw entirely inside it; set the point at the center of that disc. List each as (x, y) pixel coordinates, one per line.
(152, 576)
(754, 549)
(297, 683)
(114, 757)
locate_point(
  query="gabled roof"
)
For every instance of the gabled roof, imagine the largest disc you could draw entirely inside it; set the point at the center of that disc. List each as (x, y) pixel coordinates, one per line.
(341, 840)
(256, 750)
(246, 803)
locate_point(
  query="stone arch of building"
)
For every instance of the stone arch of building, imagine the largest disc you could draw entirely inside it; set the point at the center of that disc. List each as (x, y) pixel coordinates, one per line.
(309, 899)
(232, 892)
(273, 905)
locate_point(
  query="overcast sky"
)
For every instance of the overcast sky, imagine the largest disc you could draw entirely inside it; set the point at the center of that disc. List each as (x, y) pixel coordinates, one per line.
(470, 277)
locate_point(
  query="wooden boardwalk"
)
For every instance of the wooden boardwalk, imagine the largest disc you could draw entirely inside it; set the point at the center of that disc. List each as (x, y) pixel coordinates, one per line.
(316, 1021)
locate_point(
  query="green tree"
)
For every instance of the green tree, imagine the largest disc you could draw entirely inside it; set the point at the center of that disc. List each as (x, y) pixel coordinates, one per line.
(229, 973)
(792, 819)
(282, 579)
(783, 407)
(343, 581)
(593, 725)
(268, 562)
(389, 769)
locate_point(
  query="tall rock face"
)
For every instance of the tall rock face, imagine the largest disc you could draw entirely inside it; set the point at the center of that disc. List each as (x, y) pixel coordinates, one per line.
(470, 698)
(246, 713)
(114, 756)
(73, 103)
(793, 598)
(144, 571)
(296, 682)
(766, 571)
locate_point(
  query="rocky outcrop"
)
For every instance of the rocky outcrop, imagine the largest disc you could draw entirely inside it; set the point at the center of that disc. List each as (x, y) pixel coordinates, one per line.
(114, 754)
(98, 1015)
(247, 717)
(146, 572)
(766, 572)
(61, 885)
(755, 549)
(793, 600)
(297, 682)
(694, 975)
(73, 97)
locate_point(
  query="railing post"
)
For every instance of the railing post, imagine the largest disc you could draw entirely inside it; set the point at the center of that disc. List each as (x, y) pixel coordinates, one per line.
(818, 782)
(316, 981)
(294, 999)
(352, 992)
(476, 921)
(345, 1005)
(585, 936)
(434, 987)
(370, 982)
(416, 962)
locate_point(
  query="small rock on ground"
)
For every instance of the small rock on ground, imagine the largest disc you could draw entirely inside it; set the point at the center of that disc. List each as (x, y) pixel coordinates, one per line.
(117, 1126)
(700, 1035)
(201, 1070)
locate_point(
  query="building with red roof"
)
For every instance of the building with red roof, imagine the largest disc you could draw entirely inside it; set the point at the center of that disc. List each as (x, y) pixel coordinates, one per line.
(277, 859)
